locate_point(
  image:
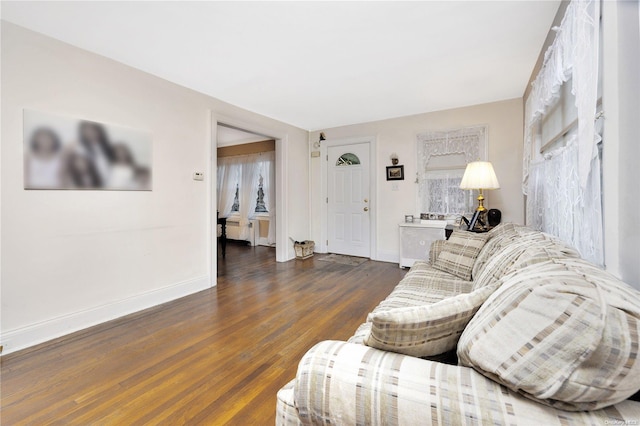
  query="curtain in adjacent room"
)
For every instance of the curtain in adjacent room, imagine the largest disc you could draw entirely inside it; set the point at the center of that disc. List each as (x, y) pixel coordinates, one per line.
(562, 173)
(267, 162)
(243, 173)
(229, 172)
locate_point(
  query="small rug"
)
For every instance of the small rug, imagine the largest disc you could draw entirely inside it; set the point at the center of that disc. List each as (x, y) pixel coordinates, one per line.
(343, 260)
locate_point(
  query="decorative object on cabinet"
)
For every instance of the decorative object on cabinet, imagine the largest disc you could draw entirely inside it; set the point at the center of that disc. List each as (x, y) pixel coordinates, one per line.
(408, 218)
(494, 216)
(450, 218)
(474, 220)
(479, 175)
(395, 172)
(477, 223)
(416, 239)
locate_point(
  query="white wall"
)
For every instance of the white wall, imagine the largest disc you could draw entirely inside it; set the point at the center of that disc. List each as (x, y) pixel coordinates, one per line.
(621, 138)
(505, 120)
(71, 259)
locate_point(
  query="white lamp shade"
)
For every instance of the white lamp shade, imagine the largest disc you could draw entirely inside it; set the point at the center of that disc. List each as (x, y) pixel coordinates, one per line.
(479, 175)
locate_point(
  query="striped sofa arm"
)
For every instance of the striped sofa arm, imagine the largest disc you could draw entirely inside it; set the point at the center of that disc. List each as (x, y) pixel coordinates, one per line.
(286, 411)
(348, 384)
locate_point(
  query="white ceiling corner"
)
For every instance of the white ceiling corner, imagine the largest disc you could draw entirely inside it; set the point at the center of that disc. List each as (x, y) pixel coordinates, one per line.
(314, 65)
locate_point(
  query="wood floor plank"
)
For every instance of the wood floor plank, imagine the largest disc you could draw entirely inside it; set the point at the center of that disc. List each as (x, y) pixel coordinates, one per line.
(215, 357)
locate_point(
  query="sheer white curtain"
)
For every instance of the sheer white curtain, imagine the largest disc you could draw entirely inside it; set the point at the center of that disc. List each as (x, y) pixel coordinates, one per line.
(574, 53)
(268, 173)
(244, 172)
(248, 191)
(440, 193)
(563, 186)
(558, 205)
(220, 170)
(229, 171)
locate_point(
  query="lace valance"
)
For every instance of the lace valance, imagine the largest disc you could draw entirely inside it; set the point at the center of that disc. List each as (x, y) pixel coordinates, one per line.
(563, 187)
(574, 53)
(470, 142)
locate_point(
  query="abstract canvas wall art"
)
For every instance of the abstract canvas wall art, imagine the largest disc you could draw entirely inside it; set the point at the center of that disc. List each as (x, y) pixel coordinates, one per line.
(68, 153)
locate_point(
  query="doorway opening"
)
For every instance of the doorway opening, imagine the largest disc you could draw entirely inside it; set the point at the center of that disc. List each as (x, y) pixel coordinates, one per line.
(245, 192)
(283, 250)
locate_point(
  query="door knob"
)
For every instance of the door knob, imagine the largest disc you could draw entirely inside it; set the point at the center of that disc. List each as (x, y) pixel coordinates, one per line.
(366, 209)
(366, 200)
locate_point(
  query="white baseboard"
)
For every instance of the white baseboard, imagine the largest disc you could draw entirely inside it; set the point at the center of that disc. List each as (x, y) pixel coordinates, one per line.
(24, 337)
(388, 256)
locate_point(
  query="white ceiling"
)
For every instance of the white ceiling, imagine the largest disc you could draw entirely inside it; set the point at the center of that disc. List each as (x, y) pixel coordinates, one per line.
(314, 64)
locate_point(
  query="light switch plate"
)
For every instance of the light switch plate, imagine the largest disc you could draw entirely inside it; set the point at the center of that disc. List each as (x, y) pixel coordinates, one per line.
(395, 186)
(198, 176)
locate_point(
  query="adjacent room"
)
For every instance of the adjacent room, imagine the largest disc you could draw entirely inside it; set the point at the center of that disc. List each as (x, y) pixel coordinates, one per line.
(296, 213)
(245, 190)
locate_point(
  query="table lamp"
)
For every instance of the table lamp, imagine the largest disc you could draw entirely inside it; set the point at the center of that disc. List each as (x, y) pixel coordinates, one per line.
(479, 175)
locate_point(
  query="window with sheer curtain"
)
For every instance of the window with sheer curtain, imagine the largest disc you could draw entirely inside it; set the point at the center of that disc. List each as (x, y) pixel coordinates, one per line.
(442, 158)
(245, 190)
(562, 168)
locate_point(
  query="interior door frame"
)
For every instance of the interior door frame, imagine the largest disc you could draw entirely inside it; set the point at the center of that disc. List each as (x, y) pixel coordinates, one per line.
(373, 199)
(283, 253)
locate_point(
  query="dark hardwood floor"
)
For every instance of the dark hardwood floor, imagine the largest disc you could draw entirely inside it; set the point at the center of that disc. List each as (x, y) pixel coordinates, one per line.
(215, 357)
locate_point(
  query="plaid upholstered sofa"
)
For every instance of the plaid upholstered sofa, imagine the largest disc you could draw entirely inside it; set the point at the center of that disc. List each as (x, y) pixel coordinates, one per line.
(510, 327)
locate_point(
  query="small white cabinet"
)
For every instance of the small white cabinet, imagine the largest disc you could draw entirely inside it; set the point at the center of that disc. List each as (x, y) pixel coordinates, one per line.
(416, 239)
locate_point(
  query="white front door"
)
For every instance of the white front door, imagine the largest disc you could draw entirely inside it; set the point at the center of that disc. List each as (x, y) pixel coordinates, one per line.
(348, 200)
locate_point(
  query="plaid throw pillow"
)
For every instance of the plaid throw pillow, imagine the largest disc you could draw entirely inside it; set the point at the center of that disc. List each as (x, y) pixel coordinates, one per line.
(426, 330)
(563, 332)
(434, 251)
(459, 253)
(502, 228)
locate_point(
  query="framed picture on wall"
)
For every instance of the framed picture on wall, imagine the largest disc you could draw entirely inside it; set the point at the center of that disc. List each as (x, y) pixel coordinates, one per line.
(395, 172)
(68, 153)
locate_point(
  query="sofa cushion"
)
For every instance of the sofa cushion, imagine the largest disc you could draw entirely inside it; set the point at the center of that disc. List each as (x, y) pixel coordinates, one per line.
(518, 254)
(459, 253)
(562, 332)
(502, 228)
(425, 330)
(430, 278)
(422, 286)
(498, 238)
(419, 266)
